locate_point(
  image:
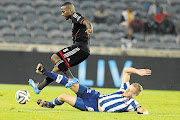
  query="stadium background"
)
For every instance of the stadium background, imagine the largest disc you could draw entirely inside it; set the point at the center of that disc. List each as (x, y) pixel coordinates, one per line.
(30, 31)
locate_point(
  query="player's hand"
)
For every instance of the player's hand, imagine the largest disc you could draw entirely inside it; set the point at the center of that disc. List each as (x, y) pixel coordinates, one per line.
(145, 113)
(143, 72)
(89, 31)
(142, 110)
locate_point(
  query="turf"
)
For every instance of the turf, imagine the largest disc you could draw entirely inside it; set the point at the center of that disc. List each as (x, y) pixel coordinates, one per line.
(162, 105)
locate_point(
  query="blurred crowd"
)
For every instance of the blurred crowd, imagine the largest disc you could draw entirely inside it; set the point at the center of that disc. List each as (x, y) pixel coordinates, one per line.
(158, 22)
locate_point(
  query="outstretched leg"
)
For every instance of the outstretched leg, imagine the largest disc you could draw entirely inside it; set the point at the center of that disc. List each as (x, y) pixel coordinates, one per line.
(77, 102)
(71, 100)
(50, 75)
(56, 77)
(60, 66)
(48, 80)
(72, 83)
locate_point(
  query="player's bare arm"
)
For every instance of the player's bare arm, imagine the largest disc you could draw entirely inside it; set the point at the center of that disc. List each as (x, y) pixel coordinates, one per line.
(89, 27)
(142, 110)
(128, 71)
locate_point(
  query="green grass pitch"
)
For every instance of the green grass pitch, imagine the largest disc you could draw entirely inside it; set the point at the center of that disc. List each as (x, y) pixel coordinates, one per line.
(162, 105)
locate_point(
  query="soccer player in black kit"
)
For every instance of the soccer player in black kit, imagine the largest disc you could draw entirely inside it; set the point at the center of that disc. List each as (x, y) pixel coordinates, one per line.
(74, 54)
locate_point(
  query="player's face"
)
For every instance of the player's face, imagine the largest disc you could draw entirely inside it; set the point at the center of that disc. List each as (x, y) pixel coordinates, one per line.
(66, 12)
(130, 91)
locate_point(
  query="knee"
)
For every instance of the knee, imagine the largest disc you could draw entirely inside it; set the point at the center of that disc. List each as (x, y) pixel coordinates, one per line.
(55, 58)
(62, 97)
(56, 70)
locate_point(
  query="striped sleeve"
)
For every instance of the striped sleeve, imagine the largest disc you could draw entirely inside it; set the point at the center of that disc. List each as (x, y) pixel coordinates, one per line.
(133, 105)
(124, 86)
(136, 105)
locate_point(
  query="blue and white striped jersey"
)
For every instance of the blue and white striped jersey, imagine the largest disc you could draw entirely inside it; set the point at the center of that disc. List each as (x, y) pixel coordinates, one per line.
(116, 102)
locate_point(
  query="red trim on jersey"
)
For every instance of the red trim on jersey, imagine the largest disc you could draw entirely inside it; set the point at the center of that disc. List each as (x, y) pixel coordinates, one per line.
(76, 35)
(64, 59)
(82, 20)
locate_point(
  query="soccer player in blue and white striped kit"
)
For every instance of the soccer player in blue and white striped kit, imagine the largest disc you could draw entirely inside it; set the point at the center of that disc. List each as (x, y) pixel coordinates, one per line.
(88, 99)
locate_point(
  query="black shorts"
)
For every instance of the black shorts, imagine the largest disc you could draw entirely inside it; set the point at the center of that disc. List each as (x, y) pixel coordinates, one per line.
(73, 55)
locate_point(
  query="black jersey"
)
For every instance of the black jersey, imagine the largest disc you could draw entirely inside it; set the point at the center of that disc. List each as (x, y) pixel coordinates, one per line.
(78, 29)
